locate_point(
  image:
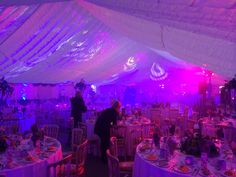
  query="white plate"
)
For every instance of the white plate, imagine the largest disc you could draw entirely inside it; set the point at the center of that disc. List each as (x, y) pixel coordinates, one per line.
(164, 165)
(151, 158)
(176, 168)
(145, 150)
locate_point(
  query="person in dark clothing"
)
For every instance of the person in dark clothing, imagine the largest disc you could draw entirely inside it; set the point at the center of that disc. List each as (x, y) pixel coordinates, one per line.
(103, 124)
(77, 108)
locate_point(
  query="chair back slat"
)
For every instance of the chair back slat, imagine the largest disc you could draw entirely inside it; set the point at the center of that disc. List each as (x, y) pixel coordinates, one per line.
(81, 153)
(113, 147)
(61, 168)
(83, 126)
(77, 137)
(51, 130)
(118, 131)
(135, 139)
(113, 165)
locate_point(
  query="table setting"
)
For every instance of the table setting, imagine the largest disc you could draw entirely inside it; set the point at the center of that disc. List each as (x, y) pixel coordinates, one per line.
(152, 159)
(23, 155)
(134, 121)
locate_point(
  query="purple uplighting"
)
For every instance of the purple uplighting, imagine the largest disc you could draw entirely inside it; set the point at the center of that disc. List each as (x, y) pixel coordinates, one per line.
(107, 88)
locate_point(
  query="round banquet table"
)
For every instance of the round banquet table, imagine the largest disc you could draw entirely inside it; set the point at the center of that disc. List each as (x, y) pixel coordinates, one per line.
(144, 167)
(210, 126)
(36, 167)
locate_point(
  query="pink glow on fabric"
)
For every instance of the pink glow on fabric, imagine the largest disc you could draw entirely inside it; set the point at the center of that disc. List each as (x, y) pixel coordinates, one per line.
(68, 43)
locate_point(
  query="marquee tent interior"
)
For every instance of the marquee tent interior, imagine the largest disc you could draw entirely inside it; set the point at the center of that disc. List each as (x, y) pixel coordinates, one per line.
(124, 42)
(145, 53)
(80, 39)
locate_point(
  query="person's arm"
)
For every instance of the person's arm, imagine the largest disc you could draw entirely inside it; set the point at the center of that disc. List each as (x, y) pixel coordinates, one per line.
(114, 118)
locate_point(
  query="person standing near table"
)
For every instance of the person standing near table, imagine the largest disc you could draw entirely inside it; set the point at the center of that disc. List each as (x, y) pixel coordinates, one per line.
(77, 108)
(103, 124)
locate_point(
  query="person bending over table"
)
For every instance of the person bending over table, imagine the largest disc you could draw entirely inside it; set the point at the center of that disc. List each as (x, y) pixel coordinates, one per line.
(103, 124)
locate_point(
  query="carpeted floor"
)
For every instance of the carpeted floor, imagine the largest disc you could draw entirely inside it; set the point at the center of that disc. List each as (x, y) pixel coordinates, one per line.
(95, 168)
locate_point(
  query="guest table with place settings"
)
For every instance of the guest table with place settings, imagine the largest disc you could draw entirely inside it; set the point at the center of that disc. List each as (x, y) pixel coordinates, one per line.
(133, 124)
(133, 121)
(149, 162)
(20, 120)
(211, 125)
(25, 160)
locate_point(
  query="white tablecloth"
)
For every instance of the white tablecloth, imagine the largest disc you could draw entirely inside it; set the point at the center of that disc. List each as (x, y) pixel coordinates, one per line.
(36, 169)
(145, 168)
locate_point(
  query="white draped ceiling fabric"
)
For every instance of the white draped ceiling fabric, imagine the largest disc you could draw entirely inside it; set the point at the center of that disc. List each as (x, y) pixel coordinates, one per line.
(124, 41)
(202, 32)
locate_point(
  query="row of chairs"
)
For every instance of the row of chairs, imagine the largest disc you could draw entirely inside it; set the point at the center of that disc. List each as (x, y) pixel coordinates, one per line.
(93, 144)
(10, 129)
(115, 166)
(78, 134)
(73, 165)
(129, 139)
(121, 130)
(50, 130)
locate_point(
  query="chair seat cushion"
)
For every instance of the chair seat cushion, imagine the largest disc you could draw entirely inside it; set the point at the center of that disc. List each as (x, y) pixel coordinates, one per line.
(79, 171)
(126, 166)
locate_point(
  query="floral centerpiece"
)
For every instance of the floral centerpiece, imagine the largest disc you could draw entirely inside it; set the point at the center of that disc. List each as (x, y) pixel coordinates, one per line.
(195, 144)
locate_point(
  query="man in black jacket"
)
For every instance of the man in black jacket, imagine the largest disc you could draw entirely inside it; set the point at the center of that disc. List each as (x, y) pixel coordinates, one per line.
(103, 124)
(77, 108)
